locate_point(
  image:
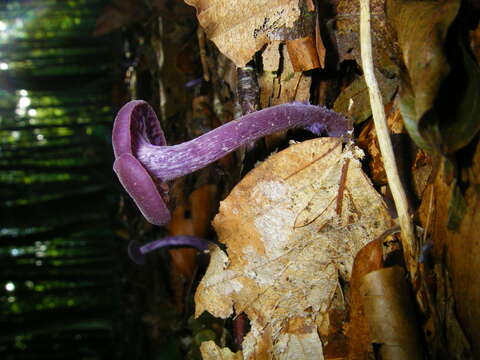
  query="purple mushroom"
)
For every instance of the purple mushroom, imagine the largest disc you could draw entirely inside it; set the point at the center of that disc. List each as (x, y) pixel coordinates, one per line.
(144, 162)
(137, 253)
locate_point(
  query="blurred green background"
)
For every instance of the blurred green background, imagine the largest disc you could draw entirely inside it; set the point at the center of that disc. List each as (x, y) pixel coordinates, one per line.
(62, 265)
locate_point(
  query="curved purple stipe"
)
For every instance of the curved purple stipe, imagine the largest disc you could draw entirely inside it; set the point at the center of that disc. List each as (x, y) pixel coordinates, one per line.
(141, 151)
(137, 253)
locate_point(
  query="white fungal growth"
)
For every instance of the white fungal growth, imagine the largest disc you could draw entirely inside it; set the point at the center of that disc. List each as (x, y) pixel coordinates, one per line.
(227, 278)
(271, 226)
(272, 190)
(275, 218)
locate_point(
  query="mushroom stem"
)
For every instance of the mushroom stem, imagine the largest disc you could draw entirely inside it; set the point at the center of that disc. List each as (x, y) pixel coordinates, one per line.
(178, 240)
(137, 253)
(169, 162)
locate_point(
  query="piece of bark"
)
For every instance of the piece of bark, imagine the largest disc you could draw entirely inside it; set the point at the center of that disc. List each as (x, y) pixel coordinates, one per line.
(279, 88)
(390, 313)
(287, 86)
(303, 54)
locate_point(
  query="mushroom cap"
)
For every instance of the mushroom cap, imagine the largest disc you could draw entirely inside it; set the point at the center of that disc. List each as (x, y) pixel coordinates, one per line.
(135, 254)
(136, 121)
(142, 189)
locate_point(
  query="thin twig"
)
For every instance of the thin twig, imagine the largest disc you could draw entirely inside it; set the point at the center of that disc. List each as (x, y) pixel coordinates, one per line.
(409, 243)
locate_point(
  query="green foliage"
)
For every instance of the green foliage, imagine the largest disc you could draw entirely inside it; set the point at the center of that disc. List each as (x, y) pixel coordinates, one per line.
(59, 261)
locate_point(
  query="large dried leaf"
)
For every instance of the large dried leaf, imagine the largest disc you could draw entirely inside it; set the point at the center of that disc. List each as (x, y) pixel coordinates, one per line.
(241, 28)
(292, 226)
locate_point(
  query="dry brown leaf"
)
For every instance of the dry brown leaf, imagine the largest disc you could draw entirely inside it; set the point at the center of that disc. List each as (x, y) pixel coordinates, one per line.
(303, 53)
(211, 351)
(421, 171)
(291, 227)
(241, 28)
(279, 88)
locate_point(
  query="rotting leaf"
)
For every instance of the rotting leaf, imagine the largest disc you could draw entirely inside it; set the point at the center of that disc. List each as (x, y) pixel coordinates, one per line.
(357, 91)
(421, 28)
(462, 124)
(454, 119)
(291, 227)
(241, 28)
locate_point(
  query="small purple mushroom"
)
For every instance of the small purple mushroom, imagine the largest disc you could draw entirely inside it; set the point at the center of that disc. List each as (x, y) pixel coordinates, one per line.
(144, 162)
(137, 253)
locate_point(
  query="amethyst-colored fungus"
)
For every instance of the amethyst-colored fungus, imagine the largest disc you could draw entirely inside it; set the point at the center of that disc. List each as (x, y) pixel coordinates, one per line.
(144, 162)
(137, 253)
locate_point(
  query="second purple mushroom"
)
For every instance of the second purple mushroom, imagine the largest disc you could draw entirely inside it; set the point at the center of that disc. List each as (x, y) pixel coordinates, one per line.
(137, 252)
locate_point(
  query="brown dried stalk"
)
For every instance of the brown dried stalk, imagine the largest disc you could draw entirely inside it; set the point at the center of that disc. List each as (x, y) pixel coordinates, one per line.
(409, 242)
